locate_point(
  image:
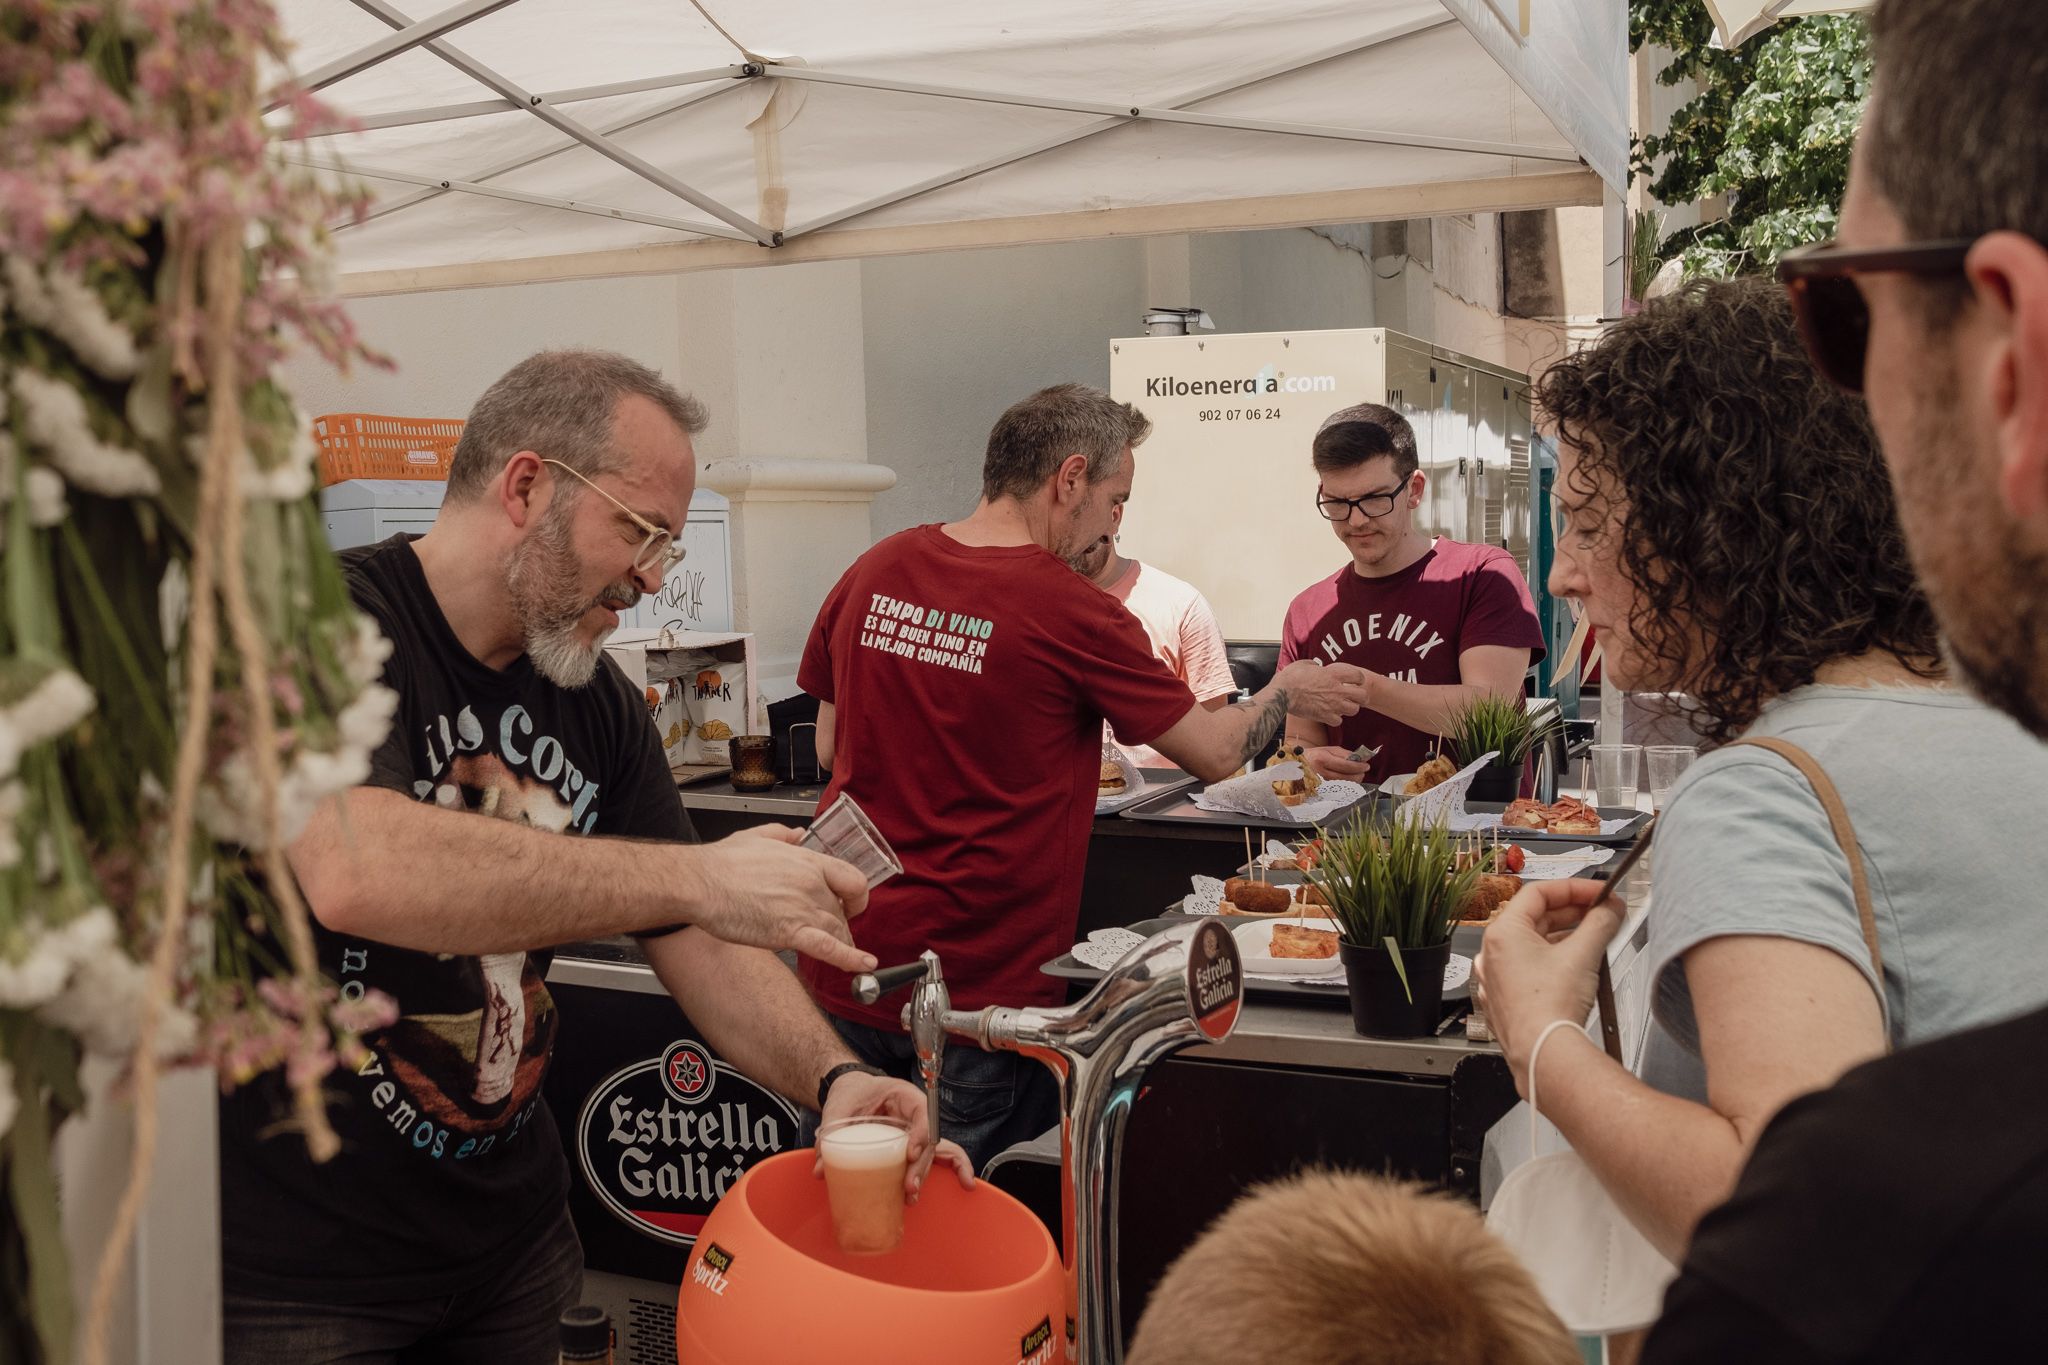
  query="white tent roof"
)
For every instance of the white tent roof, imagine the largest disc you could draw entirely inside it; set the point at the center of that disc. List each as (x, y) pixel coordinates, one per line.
(1737, 21)
(544, 139)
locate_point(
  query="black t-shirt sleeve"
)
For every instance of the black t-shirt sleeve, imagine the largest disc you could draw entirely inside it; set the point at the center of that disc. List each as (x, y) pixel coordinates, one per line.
(1703, 1323)
(1896, 1216)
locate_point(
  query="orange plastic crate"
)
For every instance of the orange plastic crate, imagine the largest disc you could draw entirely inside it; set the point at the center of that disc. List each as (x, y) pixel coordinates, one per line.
(362, 445)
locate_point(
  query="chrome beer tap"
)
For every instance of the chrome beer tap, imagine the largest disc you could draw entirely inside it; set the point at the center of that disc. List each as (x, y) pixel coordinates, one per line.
(923, 1018)
(1183, 985)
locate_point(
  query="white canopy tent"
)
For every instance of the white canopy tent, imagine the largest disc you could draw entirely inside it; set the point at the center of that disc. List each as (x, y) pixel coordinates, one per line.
(1737, 21)
(515, 140)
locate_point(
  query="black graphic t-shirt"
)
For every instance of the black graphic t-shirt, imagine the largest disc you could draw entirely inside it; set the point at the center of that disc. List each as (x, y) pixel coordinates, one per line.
(450, 1162)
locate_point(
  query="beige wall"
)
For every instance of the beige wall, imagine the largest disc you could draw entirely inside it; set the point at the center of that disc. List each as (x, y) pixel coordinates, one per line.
(951, 340)
(450, 346)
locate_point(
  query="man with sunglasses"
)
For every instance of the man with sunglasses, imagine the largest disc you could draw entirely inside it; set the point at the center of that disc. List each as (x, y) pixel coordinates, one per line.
(441, 1231)
(1434, 623)
(1901, 1215)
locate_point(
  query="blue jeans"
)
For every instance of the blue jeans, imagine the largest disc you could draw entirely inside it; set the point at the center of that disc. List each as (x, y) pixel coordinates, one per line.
(510, 1320)
(987, 1100)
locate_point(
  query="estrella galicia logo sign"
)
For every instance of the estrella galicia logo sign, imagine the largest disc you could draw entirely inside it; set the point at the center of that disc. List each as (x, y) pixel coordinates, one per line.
(686, 1071)
(661, 1140)
(1215, 981)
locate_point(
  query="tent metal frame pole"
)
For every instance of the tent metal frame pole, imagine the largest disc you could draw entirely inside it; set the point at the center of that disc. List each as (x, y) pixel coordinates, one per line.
(515, 196)
(410, 35)
(407, 118)
(1181, 100)
(520, 163)
(589, 137)
(1165, 115)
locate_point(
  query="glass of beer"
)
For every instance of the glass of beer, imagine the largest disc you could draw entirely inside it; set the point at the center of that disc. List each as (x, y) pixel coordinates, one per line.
(865, 1159)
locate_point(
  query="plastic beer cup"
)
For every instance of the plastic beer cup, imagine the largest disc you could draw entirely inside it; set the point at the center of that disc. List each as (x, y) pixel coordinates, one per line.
(865, 1159)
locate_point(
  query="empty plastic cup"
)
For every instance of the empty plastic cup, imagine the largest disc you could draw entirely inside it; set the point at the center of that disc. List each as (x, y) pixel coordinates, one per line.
(1615, 769)
(1666, 763)
(842, 830)
(865, 1159)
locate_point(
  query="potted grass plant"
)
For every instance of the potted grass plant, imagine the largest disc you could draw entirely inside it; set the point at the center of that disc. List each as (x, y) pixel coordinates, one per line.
(1503, 727)
(1394, 894)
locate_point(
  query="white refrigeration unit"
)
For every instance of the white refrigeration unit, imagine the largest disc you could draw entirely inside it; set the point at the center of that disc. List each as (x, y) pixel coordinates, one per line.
(697, 594)
(1225, 497)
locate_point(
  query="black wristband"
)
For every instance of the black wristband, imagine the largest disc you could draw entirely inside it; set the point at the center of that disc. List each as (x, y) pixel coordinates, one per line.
(825, 1086)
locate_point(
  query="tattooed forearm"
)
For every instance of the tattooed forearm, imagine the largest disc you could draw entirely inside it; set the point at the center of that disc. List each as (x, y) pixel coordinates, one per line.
(1267, 718)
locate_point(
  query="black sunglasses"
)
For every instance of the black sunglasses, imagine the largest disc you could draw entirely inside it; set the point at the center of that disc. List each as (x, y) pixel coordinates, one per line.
(1834, 317)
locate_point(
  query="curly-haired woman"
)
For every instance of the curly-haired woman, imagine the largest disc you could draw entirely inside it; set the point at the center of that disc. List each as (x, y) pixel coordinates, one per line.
(1726, 520)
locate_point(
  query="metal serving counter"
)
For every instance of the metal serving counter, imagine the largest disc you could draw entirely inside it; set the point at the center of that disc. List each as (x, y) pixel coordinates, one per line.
(657, 1126)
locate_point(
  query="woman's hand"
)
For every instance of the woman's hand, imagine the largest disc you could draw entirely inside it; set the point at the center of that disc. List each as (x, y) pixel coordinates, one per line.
(1541, 962)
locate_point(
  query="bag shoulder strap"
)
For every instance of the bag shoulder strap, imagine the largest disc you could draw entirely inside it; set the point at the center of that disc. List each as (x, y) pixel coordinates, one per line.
(1845, 834)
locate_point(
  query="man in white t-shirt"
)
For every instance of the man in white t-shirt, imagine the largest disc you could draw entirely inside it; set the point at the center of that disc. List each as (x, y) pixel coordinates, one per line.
(1177, 620)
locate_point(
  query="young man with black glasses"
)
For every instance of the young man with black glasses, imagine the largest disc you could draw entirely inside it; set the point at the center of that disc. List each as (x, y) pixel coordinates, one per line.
(1435, 623)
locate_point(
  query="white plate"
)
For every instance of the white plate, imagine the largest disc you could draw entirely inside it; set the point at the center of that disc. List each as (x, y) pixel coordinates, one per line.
(1255, 938)
(1396, 786)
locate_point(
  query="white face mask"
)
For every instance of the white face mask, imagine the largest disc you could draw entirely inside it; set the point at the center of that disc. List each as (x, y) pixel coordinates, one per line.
(1597, 1273)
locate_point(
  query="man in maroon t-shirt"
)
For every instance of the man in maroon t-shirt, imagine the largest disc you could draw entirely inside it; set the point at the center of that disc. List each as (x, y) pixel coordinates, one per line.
(965, 672)
(1434, 623)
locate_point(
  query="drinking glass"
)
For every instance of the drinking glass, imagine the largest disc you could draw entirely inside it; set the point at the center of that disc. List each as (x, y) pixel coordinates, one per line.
(753, 762)
(864, 1160)
(1667, 763)
(1615, 767)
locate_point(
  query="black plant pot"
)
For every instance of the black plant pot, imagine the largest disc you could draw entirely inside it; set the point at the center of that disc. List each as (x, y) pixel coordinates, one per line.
(1495, 782)
(1380, 1006)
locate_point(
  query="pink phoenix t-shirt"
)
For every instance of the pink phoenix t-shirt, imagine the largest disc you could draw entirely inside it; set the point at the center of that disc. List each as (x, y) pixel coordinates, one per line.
(1412, 625)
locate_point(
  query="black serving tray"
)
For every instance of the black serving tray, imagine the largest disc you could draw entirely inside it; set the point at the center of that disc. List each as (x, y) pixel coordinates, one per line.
(1625, 835)
(1465, 940)
(1177, 807)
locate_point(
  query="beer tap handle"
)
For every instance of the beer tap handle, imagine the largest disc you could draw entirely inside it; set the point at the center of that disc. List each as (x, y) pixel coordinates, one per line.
(869, 987)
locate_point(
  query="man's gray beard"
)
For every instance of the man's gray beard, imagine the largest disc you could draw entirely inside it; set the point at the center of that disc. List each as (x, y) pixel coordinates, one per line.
(560, 657)
(548, 611)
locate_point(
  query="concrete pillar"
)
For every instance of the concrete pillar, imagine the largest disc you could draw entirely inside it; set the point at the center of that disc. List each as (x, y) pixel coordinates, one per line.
(778, 356)
(167, 1310)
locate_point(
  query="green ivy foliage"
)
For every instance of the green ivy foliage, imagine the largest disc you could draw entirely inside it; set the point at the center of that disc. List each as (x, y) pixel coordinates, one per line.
(1770, 128)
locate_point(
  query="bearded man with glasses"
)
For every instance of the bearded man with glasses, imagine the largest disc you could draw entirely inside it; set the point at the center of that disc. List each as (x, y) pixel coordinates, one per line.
(1434, 623)
(441, 1231)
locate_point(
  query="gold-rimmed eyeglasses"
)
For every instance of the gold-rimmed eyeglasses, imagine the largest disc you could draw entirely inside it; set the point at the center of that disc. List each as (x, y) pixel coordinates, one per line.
(658, 551)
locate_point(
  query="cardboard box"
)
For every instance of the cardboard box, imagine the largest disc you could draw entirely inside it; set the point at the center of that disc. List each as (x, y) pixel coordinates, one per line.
(682, 666)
